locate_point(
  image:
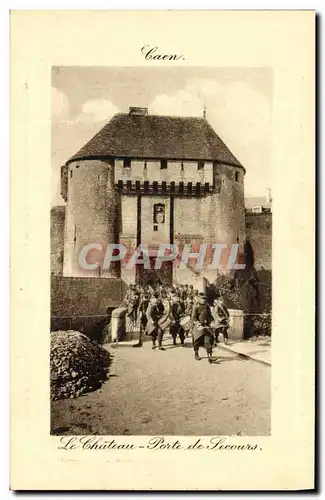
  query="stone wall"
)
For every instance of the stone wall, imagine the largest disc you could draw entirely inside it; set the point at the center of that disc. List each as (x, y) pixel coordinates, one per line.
(187, 217)
(236, 329)
(259, 230)
(85, 296)
(176, 171)
(84, 304)
(128, 216)
(57, 239)
(148, 235)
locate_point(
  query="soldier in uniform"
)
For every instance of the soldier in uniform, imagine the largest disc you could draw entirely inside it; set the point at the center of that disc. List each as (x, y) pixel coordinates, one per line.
(184, 293)
(133, 303)
(221, 319)
(195, 296)
(155, 312)
(177, 310)
(189, 305)
(144, 303)
(203, 335)
(189, 311)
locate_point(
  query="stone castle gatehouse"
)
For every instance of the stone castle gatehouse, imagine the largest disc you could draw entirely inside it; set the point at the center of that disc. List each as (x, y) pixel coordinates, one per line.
(149, 179)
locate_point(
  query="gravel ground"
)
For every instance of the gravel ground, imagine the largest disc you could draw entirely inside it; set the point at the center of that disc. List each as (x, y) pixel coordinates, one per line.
(169, 393)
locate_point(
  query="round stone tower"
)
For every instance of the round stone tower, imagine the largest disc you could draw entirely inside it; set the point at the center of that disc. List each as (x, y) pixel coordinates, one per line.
(229, 196)
(228, 207)
(92, 214)
(219, 216)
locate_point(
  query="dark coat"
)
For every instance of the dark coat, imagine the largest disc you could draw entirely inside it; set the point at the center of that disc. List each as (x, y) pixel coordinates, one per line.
(156, 312)
(177, 311)
(202, 314)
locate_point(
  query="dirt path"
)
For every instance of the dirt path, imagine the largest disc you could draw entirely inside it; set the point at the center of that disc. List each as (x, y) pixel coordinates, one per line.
(169, 393)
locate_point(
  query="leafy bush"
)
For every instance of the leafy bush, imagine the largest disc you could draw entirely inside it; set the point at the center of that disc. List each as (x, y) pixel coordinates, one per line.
(251, 295)
(262, 324)
(226, 286)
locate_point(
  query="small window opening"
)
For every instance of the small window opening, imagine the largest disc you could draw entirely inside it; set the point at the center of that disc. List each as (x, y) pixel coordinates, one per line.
(237, 176)
(126, 163)
(163, 164)
(70, 174)
(155, 227)
(200, 165)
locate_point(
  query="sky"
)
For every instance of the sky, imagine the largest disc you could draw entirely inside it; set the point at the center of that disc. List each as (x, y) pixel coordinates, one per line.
(238, 103)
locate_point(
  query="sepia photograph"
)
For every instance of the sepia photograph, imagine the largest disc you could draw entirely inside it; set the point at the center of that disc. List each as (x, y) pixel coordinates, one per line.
(161, 251)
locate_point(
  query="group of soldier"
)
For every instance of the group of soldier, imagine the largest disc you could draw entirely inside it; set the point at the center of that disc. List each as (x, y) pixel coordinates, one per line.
(182, 311)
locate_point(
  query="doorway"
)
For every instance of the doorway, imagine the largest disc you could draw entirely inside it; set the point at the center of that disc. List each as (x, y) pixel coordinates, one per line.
(153, 276)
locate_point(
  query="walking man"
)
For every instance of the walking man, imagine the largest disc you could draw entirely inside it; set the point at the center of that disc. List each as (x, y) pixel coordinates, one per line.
(144, 303)
(155, 313)
(202, 333)
(177, 310)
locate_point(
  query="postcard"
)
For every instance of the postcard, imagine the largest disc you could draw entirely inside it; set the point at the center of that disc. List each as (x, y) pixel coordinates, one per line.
(162, 250)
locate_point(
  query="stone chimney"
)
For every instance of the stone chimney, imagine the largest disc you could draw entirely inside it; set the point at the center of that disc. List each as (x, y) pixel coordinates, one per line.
(138, 111)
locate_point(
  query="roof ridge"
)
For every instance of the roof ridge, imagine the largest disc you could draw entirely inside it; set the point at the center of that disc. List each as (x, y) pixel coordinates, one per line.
(162, 116)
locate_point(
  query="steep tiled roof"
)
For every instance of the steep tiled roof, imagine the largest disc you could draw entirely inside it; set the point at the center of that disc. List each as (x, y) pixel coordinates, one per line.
(153, 136)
